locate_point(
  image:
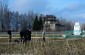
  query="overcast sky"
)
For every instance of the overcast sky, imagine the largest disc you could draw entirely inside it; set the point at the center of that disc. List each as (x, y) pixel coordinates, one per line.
(69, 9)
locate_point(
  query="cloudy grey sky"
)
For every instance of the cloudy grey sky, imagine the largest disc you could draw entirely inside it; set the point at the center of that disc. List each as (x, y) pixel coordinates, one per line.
(69, 9)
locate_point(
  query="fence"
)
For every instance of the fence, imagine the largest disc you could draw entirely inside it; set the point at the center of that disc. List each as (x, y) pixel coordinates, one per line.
(34, 34)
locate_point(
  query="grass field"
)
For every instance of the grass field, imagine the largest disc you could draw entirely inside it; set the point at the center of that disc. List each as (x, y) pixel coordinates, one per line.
(52, 46)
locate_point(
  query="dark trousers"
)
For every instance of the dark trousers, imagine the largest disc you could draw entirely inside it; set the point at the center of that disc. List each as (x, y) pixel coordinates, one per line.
(21, 38)
(44, 38)
(10, 37)
(29, 38)
(25, 40)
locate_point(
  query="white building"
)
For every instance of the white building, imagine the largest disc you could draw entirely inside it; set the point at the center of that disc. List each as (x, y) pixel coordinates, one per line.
(77, 29)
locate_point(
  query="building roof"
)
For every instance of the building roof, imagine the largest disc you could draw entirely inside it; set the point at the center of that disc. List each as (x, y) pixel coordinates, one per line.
(50, 18)
(60, 24)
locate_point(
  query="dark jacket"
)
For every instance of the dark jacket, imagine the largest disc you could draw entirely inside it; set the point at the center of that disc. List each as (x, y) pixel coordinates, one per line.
(29, 34)
(9, 32)
(21, 33)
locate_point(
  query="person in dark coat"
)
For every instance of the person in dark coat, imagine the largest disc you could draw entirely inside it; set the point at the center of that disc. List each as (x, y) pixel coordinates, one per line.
(9, 33)
(27, 31)
(25, 36)
(21, 35)
(29, 35)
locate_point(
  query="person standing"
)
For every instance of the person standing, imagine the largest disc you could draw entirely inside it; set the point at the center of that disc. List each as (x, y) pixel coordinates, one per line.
(10, 35)
(43, 35)
(21, 35)
(25, 36)
(29, 35)
(27, 31)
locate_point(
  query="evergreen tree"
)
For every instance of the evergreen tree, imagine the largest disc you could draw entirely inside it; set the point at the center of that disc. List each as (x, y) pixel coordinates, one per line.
(40, 23)
(36, 24)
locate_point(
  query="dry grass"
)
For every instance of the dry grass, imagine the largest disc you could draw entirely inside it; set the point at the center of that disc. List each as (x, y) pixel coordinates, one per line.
(52, 46)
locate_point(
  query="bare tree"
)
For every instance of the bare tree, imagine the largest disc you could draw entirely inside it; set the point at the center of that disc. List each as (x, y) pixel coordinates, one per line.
(17, 20)
(4, 15)
(83, 26)
(30, 18)
(68, 24)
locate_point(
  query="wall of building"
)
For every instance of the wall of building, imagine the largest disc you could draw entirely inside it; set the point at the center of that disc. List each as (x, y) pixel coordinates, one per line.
(49, 26)
(53, 27)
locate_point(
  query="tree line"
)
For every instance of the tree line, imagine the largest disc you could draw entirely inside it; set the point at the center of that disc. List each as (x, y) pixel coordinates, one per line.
(15, 21)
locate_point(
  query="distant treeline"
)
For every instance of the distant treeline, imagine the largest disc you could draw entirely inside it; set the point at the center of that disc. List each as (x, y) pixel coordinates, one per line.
(15, 21)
